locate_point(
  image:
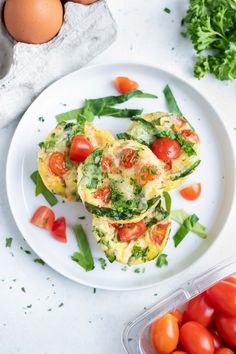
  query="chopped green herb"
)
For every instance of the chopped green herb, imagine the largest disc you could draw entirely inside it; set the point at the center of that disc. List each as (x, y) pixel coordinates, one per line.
(103, 263)
(138, 252)
(29, 306)
(49, 310)
(23, 289)
(27, 252)
(137, 270)
(94, 290)
(8, 242)
(41, 119)
(39, 261)
(168, 11)
(130, 339)
(84, 258)
(61, 304)
(124, 269)
(185, 228)
(162, 260)
(81, 217)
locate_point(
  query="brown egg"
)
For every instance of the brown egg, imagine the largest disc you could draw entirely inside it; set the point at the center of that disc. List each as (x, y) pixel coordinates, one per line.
(33, 21)
(84, 2)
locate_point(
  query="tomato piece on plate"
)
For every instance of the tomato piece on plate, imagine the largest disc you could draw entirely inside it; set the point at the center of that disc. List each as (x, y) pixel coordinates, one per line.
(190, 135)
(59, 229)
(108, 165)
(158, 233)
(218, 343)
(231, 279)
(146, 174)
(196, 339)
(191, 192)
(226, 326)
(224, 351)
(44, 218)
(178, 315)
(223, 297)
(124, 84)
(129, 232)
(166, 149)
(165, 334)
(57, 164)
(80, 148)
(199, 309)
(103, 193)
(128, 158)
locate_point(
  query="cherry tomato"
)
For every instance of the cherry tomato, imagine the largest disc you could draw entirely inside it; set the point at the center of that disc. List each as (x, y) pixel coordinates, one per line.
(128, 158)
(216, 338)
(178, 352)
(178, 315)
(80, 148)
(44, 217)
(129, 232)
(103, 193)
(158, 233)
(231, 279)
(108, 165)
(200, 310)
(196, 339)
(224, 351)
(226, 326)
(166, 149)
(191, 192)
(223, 297)
(165, 334)
(59, 229)
(190, 135)
(146, 174)
(124, 84)
(57, 164)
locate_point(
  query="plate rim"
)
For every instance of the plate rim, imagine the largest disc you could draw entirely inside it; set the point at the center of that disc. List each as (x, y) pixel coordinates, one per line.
(233, 171)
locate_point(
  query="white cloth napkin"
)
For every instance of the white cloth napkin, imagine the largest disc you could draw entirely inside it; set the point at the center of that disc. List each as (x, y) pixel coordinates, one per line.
(25, 70)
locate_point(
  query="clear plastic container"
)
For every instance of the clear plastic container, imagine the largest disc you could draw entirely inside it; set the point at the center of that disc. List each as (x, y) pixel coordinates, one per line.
(135, 336)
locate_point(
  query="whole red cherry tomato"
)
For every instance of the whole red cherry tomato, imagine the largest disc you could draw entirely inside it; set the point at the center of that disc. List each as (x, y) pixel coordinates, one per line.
(196, 339)
(200, 310)
(223, 297)
(178, 315)
(224, 351)
(165, 334)
(216, 338)
(226, 326)
(166, 149)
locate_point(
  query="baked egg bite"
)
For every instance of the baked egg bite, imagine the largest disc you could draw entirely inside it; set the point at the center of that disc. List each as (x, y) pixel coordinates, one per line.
(121, 181)
(134, 243)
(172, 140)
(61, 153)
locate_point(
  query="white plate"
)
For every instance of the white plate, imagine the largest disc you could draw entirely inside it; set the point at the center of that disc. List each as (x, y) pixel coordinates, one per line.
(216, 172)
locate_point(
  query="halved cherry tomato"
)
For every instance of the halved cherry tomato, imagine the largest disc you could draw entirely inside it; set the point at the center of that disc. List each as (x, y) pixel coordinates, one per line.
(223, 297)
(103, 193)
(224, 351)
(146, 174)
(108, 165)
(196, 339)
(178, 315)
(80, 148)
(128, 157)
(59, 229)
(166, 149)
(226, 326)
(165, 334)
(216, 338)
(124, 84)
(190, 135)
(57, 164)
(158, 233)
(231, 279)
(191, 192)
(44, 218)
(199, 309)
(129, 232)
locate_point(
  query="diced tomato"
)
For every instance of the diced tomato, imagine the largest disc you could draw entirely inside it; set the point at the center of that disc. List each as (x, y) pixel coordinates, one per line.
(44, 218)
(80, 148)
(190, 135)
(166, 149)
(191, 192)
(103, 193)
(129, 232)
(146, 174)
(158, 233)
(59, 229)
(108, 165)
(57, 164)
(124, 84)
(128, 157)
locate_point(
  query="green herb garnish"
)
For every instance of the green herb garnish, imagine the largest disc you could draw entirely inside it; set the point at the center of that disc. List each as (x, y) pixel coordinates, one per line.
(185, 228)
(167, 198)
(168, 11)
(84, 258)
(8, 242)
(180, 215)
(103, 263)
(162, 260)
(42, 189)
(39, 261)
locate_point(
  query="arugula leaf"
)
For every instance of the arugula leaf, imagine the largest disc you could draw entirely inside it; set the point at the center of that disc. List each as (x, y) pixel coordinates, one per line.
(162, 260)
(180, 215)
(84, 258)
(42, 189)
(167, 197)
(70, 115)
(120, 113)
(185, 228)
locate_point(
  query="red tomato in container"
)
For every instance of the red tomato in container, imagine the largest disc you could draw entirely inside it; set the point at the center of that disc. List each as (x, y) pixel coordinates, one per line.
(57, 164)
(178, 315)
(191, 192)
(80, 148)
(44, 218)
(129, 232)
(165, 334)
(59, 229)
(226, 326)
(166, 149)
(224, 351)
(231, 279)
(178, 352)
(223, 297)
(124, 84)
(196, 339)
(200, 310)
(218, 343)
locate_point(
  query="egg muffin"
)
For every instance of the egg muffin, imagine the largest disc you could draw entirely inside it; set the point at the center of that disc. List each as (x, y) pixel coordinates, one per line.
(121, 181)
(172, 139)
(57, 163)
(134, 243)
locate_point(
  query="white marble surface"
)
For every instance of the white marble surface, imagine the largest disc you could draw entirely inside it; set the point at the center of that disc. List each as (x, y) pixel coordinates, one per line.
(92, 323)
